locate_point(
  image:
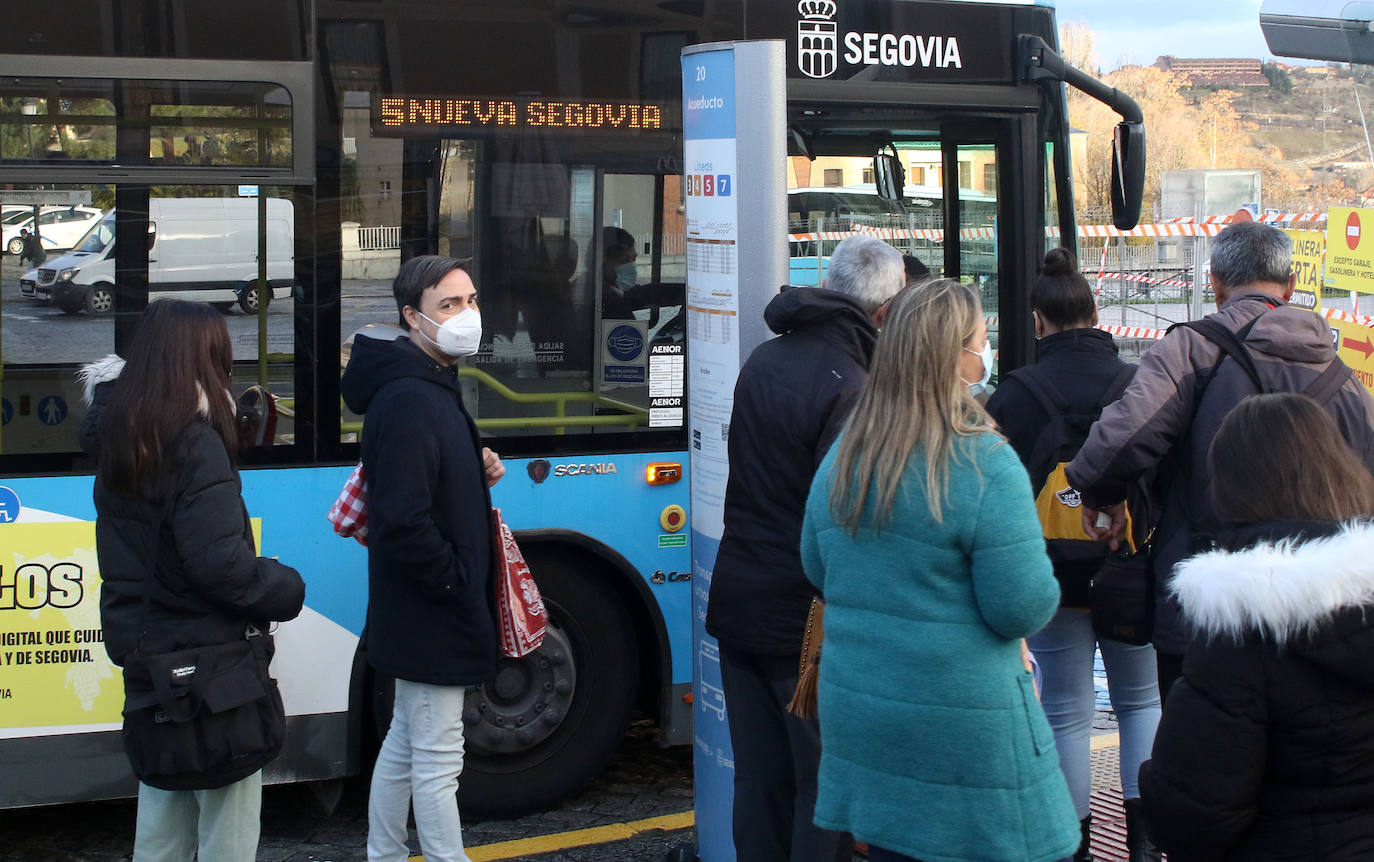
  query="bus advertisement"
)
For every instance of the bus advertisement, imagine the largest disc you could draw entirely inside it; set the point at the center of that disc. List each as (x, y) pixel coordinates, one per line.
(542, 143)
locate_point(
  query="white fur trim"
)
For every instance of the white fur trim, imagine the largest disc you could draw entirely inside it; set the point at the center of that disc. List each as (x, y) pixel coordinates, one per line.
(101, 371)
(1281, 589)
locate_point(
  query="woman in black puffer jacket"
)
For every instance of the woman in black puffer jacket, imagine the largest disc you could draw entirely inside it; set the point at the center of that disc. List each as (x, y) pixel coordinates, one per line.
(1266, 747)
(178, 563)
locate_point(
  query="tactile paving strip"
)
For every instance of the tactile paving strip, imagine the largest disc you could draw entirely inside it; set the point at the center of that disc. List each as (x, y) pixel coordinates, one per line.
(1109, 819)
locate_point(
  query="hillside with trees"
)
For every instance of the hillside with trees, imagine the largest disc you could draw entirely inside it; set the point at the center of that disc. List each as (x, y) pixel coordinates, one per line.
(1303, 131)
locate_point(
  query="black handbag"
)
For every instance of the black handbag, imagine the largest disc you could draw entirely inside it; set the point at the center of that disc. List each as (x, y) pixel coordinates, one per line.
(1121, 597)
(204, 717)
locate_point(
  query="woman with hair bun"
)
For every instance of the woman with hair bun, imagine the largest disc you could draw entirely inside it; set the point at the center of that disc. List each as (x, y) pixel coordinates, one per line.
(1080, 363)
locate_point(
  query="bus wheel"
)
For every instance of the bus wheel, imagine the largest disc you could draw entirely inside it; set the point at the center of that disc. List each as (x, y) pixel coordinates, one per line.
(248, 298)
(549, 723)
(16, 246)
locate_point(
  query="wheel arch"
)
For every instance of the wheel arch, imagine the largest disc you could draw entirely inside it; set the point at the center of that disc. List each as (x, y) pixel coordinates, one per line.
(651, 631)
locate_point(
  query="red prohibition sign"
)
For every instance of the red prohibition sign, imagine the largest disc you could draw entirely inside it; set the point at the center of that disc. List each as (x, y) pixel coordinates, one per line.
(1352, 231)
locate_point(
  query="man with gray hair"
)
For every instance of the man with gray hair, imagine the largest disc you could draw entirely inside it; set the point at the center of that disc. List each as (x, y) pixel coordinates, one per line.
(1187, 383)
(791, 400)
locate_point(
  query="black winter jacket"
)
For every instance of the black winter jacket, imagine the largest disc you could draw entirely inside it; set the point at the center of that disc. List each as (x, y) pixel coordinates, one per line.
(1153, 425)
(791, 400)
(430, 617)
(1082, 364)
(1266, 747)
(209, 581)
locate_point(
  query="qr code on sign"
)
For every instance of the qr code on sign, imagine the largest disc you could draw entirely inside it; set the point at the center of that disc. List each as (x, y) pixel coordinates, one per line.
(725, 432)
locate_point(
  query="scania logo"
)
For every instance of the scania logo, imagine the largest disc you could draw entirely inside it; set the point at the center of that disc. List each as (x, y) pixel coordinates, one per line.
(817, 38)
(585, 469)
(538, 470)
(1070, 497)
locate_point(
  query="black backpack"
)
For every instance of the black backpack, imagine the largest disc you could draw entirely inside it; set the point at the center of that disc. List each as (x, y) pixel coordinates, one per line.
(1057, 502)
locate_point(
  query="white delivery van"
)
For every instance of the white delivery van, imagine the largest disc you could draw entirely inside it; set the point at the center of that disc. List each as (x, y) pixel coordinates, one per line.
(201, 249)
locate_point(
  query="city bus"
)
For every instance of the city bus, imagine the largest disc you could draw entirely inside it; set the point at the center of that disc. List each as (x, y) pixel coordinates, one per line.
(542, 142)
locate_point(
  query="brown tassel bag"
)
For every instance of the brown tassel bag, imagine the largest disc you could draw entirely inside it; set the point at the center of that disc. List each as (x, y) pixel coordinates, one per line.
(803, 703)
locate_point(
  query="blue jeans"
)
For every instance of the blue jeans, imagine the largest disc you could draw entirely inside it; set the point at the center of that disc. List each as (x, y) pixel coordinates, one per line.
(1064, 649)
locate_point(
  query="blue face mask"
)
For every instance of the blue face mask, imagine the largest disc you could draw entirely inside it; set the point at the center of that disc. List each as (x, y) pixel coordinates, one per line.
(626, 275)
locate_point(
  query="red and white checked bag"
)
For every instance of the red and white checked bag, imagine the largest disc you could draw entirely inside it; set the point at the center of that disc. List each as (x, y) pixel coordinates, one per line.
(349, 512)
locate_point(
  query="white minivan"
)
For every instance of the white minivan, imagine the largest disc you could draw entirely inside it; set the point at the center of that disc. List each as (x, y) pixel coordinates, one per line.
(201, 249)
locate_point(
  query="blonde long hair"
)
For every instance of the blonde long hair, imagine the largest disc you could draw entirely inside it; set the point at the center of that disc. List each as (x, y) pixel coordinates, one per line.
(913, 399)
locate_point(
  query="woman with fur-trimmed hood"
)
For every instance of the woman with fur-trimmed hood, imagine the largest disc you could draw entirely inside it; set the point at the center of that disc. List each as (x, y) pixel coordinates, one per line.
(1266, 747)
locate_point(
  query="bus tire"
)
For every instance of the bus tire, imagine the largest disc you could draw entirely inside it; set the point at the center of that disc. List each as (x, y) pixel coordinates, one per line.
(590, 634)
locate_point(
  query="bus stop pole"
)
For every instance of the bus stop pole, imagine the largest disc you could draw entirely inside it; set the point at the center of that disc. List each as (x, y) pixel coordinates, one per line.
(735, 161)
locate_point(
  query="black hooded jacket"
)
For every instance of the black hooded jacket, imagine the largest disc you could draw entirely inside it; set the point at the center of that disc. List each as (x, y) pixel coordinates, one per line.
(1266, 747)
(210, 583)
(209, 580)
(791, 401)
(429, 529)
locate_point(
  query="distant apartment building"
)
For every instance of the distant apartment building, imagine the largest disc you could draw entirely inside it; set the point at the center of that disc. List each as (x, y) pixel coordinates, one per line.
(1216, 71)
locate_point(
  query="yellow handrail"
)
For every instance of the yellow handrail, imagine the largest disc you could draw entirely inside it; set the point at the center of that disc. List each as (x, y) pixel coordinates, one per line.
(559, 422)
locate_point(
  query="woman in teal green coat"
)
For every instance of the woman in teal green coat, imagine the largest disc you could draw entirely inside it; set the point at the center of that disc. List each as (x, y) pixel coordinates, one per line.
(921, 532)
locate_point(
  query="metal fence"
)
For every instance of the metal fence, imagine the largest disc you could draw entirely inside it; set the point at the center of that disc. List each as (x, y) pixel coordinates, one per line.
(379, 238)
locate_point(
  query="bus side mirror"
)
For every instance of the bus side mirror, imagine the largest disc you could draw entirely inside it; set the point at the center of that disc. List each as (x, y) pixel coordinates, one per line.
(1128, 174)
(889, 176)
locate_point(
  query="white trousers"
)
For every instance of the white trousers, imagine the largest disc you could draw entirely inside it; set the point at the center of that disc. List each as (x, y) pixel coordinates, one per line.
(419, 763)
(222, 823)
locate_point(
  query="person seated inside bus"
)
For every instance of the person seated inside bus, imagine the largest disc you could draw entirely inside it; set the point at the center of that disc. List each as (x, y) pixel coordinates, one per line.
(621, 294)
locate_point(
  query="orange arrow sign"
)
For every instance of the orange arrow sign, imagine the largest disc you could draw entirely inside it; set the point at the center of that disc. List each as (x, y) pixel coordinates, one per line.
(1366, 347)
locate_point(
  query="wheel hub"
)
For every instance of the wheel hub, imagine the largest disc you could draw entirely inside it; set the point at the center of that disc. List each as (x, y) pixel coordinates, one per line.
(526, 702)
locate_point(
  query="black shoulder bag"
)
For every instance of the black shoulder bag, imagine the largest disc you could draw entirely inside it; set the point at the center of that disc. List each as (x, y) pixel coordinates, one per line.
(203, 717)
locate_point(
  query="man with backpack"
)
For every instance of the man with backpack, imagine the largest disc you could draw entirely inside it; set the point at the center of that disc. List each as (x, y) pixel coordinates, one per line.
(1186, 385)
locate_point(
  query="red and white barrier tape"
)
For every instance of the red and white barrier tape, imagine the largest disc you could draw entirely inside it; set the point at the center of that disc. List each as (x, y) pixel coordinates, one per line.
(1180, 227)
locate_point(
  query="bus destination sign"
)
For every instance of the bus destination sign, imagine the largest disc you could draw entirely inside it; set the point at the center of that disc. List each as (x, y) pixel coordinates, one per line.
(401, 114)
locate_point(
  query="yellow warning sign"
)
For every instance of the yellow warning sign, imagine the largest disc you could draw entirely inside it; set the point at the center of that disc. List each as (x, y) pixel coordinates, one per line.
(1355, 344)
(1350, 249)
(1309, 247)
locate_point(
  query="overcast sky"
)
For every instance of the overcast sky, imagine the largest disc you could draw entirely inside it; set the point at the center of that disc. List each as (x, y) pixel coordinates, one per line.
(1130, 32)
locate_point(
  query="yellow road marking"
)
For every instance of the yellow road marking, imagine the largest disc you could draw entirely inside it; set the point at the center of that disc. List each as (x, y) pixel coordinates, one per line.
(1106, 740)
(622, 831)
(576, 838)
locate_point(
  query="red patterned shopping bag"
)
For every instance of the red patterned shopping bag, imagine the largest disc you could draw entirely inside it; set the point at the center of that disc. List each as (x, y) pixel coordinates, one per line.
(520, 611)
(349, 512)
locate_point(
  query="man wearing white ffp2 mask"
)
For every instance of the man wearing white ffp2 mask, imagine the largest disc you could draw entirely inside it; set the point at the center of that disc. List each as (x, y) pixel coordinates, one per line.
(448, 322)
(429, 559)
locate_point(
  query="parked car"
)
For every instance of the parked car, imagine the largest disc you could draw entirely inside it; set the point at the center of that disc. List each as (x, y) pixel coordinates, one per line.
(199, 249)
(58, 227)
